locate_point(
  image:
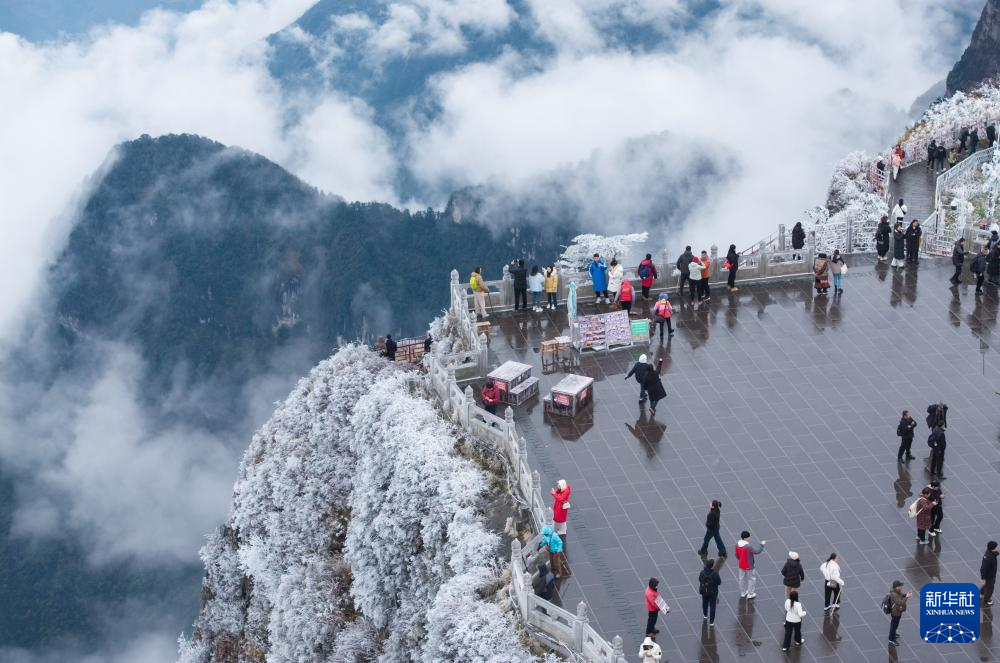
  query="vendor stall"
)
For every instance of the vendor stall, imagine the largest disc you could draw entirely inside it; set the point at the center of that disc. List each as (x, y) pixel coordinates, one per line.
(570, 395)
(508, 376)
(603, 331)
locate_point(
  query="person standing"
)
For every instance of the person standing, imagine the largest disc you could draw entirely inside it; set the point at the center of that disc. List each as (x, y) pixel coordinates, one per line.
(746, 554)
(798, 240)
(478, 287)
(792, 573)
(654, 386)
(639, 370)
(546, 582)
(491, 397)
(913, 234)
(937, 415)
(897, 606)
(560, 506)
(709, 581)
(923, 515)
(991, 134)
(988, 573)
(833, 583)
(837, 266)
(794, 612)
(536, 283)
(520, 276)
(390, 348)
(712, 524)
(706, 273)
(904, 430)
(647, 274)
(557, 559)
(899, 211)
(684, 267)
(931, 155)
(973, 140)
(649, 651)
(625, 296)
(732, 264)
(598, 271)
(883, 235)
(937, 443)
(963, 137)
(616, 274)
(428, 342)
(652, 609)
(993, 265)
(937, 512)
(940, 155)
(661, 314)
(957, 258)
(821, 273)
(978, 267)
(552, 287)
(694, 278)
(898, 246)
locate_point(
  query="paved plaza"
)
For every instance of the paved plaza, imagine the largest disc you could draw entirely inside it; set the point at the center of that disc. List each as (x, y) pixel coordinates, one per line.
(785, 408)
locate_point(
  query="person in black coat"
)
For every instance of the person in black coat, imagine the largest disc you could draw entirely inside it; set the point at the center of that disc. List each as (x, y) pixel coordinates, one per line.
(733, 258)
(654, 386)
(993, 265)
(712, 524)
(978, 267)
(798, 240)
(974, 140)
(957, 258)
(683, 265)
(390, 348)
(913, 234)
(937, 415)
(991, 134)
(546, 582)
(898, 246)
(520, 275)
(963, 137)
(882, 236)
(904, 430)
(937, 443)
(639, 370)
(427, 344)
(988, 573)
(709, 581)
(792, 573)
(931, 154)
(940, 154)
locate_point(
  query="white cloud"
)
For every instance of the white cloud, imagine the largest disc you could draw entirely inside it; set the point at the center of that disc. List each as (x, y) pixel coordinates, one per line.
(145, 647)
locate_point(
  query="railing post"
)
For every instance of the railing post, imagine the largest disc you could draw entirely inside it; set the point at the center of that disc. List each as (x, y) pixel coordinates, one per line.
(850, 235)
(578, 624)
(617, 650)
(762, 260)
(812, 250)
(484, 357)
(665, 270)
(470, 405)
(522, 597)
(714, 253)
(781, 237)
(507, 288)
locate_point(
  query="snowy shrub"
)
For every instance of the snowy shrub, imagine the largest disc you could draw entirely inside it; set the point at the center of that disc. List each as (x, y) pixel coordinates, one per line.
(943, 121)
(358, 642)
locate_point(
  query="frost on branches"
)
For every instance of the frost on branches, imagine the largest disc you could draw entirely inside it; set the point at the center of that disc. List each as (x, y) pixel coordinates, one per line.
(854, 200)
(353, 529)
(943, 121)
(580, 253)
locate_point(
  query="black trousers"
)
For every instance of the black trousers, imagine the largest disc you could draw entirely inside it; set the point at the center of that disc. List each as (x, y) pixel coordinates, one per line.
(831, 595)
(626, 306)
(708, 604)
(664, 322)
(520, 295)
(651, 621)
(904, 447)
(986, 591)
(694, 288)
(937, 515)
(681, 282)
(937, 461)
(645, 291)
(979, 280)
(957, 276)
(893, 626)
(911, 251)
(703, 288)
(790, 628)
(732, 278)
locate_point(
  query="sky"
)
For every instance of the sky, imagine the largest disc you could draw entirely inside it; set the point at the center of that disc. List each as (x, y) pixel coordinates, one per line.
(773, 94)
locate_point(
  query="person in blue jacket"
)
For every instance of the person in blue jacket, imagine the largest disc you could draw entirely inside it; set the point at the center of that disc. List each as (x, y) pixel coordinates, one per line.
(599, 275)
(555, 545)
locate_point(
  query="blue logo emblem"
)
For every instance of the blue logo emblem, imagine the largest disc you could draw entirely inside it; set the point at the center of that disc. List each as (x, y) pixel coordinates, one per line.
(949, 612)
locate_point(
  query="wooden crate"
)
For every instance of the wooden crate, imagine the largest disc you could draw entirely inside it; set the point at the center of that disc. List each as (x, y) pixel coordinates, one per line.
(523, 392)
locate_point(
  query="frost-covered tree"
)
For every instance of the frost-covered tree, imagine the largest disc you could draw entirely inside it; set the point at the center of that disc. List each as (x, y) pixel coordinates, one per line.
(581, 251)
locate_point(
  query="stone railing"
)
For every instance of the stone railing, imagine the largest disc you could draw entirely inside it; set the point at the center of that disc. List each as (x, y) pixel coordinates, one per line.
(941, 231)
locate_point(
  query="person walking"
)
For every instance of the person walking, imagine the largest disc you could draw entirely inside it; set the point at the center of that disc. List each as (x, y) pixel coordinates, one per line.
(639, 370)
(896, 604)
(913, 234)
(390, 348)
(821, 272)
(898, 246)
(684, 267)
(560, 507)
(899, 211)
(957, 258)
(647, 274)
(988, 573)
(654, 386)
(937, 512)
(993, 265)
(536, 284)
(931, 155)
(662, 311)
(792, 573)
(712, 524)
(794, 612)
(978, 267)
(479, 289)
(838, 267)
(652, 609)
(491, 397)
(709, 581)
(732, 264)
(746, 554)
(616, 274)
(921, 510)
(937, 443)
(552, 287)
(649, 651)
(625, 296)
(706, 274)
(904, 430)
(798, 240)
(833, 584)
(883, 235)
(897, 160)
(557, 559)
(520, 276)
(598, 271)
(694, 278)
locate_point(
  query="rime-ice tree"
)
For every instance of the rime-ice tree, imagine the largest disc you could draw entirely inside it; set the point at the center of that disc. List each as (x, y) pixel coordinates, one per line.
(581, 251)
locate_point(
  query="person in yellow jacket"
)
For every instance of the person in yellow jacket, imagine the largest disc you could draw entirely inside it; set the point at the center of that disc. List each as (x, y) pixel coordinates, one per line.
(551, 286)
(478, 287)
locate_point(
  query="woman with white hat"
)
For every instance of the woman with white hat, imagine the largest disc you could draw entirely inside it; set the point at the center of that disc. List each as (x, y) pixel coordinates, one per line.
(649, 651)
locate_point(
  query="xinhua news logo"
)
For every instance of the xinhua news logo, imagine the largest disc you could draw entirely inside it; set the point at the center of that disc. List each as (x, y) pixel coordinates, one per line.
(949, 612)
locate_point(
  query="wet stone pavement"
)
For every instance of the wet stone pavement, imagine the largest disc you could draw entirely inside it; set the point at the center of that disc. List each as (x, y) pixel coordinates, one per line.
(784, 407)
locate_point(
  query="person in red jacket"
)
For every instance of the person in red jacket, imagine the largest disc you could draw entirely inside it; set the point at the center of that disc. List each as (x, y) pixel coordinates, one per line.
(560, 507)
(651, 607)
(647, 274)
(491, 397)
(625, 295)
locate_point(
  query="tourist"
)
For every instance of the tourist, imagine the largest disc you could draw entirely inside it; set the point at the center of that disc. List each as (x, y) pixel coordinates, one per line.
(546, 582)
(882, 238)
(904, 430)
(940, 155)
(931, 154)
(694, 278)
(684, 267)
(552, 287)
(922, 507)
(560, 506)
(897, 160)
(953, 156)
(913, 234)
(821, 272)
(712, 524)
(937, 415)
(988, 573)
(554, 544)
(706, 274)
(898, 245)
(662, 311)
(957, 258)
(794, 612)
(598, 271)
(792, 573)
(798, 240)
(994, 239)
(732, 264)
(963, 137)
(654, 386)
(897, 606)
(937, 443)
(520, 276)
(650, 651)
(647, 274)
(428, 342)
(838, 267)
(973, 140)
(708, 586)
(991, 134)
(937, 513)
(833, 584)
(899, 211)
(536, 283)
(390, 348)
(625, 296)
(651, 608)
(978, 267)
(746, 554)
(993, 265)
(616, 274)
(639, 370)
(491, 397)
(479, 289)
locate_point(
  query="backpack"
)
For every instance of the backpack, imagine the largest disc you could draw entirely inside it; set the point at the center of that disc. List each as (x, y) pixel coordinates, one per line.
(887, 604)
(911, 510)
(644, 271)
(705, 584)
(472, 282)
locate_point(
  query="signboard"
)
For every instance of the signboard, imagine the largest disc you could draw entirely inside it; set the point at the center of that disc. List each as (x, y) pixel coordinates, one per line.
(949, 612)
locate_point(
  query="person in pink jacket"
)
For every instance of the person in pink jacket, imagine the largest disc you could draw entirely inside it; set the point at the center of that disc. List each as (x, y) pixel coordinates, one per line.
(560, 506)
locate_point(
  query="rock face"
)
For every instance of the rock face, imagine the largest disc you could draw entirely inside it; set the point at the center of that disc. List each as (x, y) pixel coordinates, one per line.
(981, 59)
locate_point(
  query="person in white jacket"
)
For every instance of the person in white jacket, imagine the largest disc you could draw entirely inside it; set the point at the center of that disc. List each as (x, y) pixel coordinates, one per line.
(834, 583)
(794, 612)
(649, 651)
(616, 274)
(899, 211)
